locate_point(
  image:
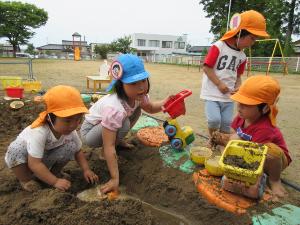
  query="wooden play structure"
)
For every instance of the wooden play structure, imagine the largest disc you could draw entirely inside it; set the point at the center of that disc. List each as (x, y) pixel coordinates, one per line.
(76, 46)
(270, 62)
(97, 80)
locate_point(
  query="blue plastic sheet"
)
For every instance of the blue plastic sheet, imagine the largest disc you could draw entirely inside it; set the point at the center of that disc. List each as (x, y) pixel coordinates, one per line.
(144, 121)
(177, 159)
(286, 214)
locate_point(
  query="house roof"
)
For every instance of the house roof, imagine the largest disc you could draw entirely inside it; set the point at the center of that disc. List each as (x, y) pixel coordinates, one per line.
(297, 43)
(76, 34)
(51, 47)
(66, 42)
(198, 48)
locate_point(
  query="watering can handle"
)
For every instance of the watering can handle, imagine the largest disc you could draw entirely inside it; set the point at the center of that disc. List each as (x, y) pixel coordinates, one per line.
(183, 94)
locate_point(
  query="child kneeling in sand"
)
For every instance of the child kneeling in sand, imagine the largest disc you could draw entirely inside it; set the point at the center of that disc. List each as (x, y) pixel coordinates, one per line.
(42, 149)
(256, 121)
(112, 116)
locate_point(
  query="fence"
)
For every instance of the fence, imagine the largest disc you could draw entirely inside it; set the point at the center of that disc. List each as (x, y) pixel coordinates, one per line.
(291, 64)
(27, 62)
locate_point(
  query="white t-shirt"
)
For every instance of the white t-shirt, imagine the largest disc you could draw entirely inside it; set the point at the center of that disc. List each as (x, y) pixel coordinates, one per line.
(227, 63)
(111, 111)
(42, 139)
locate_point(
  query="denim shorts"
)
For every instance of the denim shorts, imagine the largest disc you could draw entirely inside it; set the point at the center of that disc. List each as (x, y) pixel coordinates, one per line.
(219, 115)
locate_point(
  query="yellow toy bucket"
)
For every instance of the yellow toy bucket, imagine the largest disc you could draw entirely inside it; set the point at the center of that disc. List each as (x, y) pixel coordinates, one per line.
(32, 86)
(249, 153)
(10, 81)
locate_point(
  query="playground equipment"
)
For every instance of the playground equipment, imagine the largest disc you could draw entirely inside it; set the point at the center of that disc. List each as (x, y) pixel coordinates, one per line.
(270, 62)
(76, 46)
(179, 137)
(244, 175)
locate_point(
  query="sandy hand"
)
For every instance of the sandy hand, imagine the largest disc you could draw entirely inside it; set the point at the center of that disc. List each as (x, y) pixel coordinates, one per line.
(90, 176)
(62, 184)
(111, 185)
(219, 138)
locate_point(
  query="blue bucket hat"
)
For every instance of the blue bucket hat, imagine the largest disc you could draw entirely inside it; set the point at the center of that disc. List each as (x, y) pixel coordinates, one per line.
(128, 68)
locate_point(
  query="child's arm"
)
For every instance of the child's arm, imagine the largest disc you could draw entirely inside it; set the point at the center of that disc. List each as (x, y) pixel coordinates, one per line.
(210, 73)
(43, 173)
(89, 175)
(109, 143)
(155, 107)
(219, 138)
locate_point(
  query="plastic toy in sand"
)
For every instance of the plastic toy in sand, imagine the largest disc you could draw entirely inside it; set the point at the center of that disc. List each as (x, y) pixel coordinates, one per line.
(200, 154)
(16, 104)
(210, 187)
(213, 167)
(286, 214)
(152, 136)
(144, 121)
(179, 137)
(242, 163)
(177, 159)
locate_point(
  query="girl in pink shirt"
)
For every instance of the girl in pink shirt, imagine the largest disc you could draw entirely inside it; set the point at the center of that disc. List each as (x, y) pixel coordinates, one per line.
(112, 116)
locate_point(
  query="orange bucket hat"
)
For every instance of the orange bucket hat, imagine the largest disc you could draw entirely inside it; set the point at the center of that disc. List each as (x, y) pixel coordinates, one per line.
(259, 89)
(62, 101)
(251, 20)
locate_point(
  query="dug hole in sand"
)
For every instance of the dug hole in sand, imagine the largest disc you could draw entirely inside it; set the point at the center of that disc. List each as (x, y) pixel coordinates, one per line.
(162, 215)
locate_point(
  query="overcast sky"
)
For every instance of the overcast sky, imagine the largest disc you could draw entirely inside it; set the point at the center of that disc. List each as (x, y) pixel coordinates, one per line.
(106, 20)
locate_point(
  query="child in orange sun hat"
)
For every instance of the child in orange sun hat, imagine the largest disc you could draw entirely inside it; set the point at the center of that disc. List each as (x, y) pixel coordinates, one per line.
(223, 66)
(256, 121)
(42, 149)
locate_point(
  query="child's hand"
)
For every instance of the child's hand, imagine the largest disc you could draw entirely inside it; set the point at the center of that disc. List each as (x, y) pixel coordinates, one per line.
(219, 138)
(111, 185)
(235, 137)
(223, 88)
(168, 98)
(234, 90)
(62, 184)
(90, 176)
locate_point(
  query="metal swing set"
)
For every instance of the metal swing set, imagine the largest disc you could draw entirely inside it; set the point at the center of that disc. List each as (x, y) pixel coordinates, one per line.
(270, 62)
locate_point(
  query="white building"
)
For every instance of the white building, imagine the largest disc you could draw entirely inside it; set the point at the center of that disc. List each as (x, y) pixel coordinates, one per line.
(156, 45)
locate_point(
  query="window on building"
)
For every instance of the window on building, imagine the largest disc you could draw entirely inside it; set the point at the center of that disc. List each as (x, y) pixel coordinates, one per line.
(141, 42)
(179, 45)
(153, 43)
(166, 44)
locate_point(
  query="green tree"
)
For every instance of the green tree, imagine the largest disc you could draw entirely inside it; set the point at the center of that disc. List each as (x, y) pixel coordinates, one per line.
(30, 49)
(102, 50)
(122, 45)
(204, 52)
(292, 24)
(17, 19)
(275, 11)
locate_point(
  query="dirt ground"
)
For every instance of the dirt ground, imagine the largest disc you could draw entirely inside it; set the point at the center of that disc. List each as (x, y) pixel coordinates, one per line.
(142, 173)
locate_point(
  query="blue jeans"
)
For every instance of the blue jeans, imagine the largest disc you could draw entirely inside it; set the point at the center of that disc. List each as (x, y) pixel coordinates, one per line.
(219, 115)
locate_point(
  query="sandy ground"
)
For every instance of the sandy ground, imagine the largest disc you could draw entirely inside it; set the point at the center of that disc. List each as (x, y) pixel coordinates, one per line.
(143, 175)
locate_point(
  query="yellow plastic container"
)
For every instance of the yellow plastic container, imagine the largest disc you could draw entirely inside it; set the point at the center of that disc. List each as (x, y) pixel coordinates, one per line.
(213, 167)
(199, 154)
(32, 86)
(10, 81)
(251, 152)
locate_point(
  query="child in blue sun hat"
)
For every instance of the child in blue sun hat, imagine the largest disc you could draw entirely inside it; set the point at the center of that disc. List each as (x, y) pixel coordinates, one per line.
(112, 116)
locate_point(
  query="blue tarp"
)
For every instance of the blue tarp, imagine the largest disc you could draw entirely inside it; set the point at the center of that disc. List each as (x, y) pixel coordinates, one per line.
(284, 215)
